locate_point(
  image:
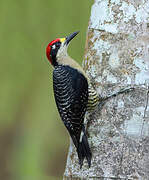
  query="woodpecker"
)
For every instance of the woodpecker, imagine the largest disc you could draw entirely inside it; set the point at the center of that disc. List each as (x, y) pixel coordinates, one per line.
(74, 94)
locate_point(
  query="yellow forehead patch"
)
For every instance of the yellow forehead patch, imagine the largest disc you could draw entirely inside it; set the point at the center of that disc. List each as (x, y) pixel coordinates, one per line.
(62, 39)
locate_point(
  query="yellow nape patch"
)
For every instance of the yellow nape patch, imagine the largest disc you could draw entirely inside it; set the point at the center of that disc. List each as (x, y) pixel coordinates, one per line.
(62, 39)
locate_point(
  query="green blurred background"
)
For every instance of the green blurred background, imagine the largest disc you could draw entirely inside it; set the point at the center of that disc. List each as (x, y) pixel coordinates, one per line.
(33, 140)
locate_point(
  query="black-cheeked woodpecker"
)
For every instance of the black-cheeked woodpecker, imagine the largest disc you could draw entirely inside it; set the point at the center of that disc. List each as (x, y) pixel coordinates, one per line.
(74, 94)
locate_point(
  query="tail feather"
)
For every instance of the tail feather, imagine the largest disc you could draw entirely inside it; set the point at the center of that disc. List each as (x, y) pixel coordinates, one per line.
(84, 151)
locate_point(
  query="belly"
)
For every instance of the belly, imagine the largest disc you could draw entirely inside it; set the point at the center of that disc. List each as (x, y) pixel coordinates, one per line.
(93, 99)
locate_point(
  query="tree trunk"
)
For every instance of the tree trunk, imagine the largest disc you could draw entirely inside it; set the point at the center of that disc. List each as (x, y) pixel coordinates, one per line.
(117, 57)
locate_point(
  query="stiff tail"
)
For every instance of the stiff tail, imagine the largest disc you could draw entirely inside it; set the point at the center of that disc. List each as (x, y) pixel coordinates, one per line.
(83, 150)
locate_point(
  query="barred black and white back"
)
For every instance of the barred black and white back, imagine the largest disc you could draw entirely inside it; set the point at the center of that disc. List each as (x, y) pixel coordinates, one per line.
(71, 96)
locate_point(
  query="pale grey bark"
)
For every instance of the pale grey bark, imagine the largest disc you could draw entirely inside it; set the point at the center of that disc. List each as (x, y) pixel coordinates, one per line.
(117, 57)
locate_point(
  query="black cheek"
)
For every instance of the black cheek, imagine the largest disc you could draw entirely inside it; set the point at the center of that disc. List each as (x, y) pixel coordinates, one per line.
(53, 55)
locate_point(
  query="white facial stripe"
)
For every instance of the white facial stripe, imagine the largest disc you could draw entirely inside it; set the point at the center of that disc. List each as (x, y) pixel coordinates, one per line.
(53, 47)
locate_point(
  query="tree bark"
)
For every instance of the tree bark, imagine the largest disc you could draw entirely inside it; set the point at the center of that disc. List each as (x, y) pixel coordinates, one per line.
(117, 57)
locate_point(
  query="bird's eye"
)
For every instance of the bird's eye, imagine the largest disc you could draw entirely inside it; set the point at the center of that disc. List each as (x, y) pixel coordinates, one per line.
(53, 47)
(57, 44)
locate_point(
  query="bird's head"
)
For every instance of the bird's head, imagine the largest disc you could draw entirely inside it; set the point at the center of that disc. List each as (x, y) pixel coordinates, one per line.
(57, 48)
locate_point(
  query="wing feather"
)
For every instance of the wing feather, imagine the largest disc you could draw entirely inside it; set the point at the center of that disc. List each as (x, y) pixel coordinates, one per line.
(71, 96)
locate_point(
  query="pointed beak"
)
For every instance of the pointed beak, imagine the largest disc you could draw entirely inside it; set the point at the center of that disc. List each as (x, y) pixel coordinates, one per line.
(70, 37)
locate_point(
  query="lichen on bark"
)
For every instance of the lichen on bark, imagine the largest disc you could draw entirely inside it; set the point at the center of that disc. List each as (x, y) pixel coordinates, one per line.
(117, 57)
